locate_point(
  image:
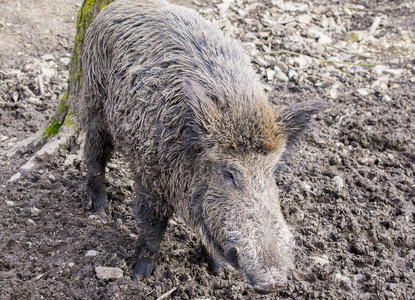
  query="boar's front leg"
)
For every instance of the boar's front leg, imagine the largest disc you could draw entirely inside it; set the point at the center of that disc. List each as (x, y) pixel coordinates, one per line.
(152, 223)
(98, 148)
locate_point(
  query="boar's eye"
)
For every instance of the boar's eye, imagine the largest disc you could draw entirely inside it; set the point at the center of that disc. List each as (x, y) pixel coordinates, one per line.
(228, 176)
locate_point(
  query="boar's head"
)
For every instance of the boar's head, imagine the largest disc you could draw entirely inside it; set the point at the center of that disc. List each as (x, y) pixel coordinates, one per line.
(234, 204)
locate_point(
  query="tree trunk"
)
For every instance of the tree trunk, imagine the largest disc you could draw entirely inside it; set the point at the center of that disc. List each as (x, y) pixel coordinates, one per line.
(87, 12)
(64, 114)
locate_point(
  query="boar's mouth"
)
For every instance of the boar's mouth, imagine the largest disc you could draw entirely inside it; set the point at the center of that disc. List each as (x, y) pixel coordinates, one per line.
(267, 282)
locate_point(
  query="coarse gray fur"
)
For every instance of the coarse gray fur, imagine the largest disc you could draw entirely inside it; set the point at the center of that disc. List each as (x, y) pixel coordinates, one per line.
(186, 109)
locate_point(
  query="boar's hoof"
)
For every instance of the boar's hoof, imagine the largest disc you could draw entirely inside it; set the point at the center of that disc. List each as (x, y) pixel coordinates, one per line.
(214, 267)
(97, 202)
(143, 269)
(103, 215)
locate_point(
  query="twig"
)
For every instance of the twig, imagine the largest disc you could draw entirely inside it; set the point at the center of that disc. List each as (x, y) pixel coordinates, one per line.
(349, 52)
(285, 52)
(346, 63)
(166, 294)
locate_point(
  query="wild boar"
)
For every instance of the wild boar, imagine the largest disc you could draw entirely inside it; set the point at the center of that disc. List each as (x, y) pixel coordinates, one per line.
(190, 115)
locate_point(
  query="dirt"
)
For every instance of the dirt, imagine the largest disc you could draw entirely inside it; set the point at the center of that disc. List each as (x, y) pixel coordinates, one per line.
(348, 193)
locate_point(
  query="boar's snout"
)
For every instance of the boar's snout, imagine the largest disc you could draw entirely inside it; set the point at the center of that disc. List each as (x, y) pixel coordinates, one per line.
(266, 280)
(270, 282)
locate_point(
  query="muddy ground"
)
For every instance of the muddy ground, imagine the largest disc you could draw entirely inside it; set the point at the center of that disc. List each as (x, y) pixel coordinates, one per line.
(348, 192)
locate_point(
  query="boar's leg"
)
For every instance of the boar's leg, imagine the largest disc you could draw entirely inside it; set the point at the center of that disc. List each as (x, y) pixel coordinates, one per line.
(98, 148)
(214, 265)
(152, 224)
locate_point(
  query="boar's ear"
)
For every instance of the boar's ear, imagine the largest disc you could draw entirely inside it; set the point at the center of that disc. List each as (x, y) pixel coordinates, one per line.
(295, 119)
(204, 110)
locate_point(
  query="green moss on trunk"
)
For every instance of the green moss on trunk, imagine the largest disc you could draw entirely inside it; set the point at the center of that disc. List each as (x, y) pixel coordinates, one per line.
(64, 114)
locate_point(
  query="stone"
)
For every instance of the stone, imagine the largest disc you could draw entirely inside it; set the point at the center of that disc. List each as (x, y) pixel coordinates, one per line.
(30, 222)
(108, 272)
(15, 177)
(322, 260)
(91, 253)
(280, 76)
(363, 92)
(292, 74)
(34, 101)
(393, 72)
(321, 37)
(271, 74)
(304, 19)
(282, 66)
(301, 62)
(65, 60)
(338, 182)
(35, 211)
(10, 203)
(48, 57)
(48, 73)
(70, 160)
(299, 215)
(355, 36)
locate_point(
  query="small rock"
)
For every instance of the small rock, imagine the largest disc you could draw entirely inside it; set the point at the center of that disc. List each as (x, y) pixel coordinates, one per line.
(338, 182)
(325, 39)
(380, 85)
(355, 36)
(306, 186)
(386, 98)
(35, 211)
(28, 67)
(31, 222)
(65, 60)
(91, 253)
(71, 264)
(280, 76)
(15, 96)
(292, 74)
(347, 11)
(3, 138)
(320, 36)
(34, 101)
(412, 79)
(70, 160)
(344, 279)
(48, 73)
(47, 57)
(15, 177)
(283, 67)
(333, 91)
(290, 6)
(10, 203)
(305, 19)
(322, 260)
(299, 215)
(393, 72)
(271, 74)
(251, 49)
(363, 92)
(301, 62)
(108, 272)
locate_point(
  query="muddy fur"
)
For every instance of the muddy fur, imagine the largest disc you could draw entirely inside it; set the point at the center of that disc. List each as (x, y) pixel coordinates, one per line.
(191, 117)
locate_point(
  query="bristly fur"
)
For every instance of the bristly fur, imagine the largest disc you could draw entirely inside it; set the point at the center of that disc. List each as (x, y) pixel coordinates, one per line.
(189, 113)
